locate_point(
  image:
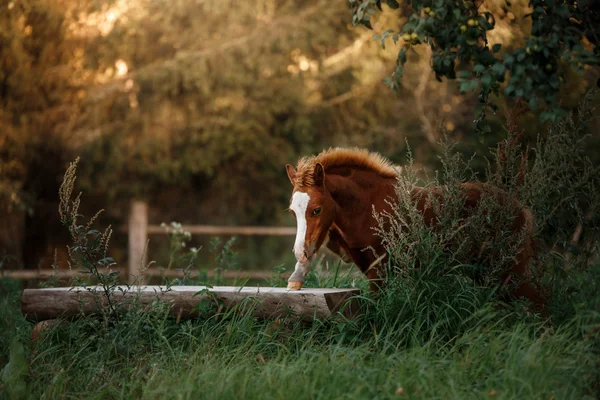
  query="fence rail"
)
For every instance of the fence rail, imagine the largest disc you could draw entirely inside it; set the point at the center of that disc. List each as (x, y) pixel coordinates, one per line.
(138, 230)
(229, 230)
(150, 272)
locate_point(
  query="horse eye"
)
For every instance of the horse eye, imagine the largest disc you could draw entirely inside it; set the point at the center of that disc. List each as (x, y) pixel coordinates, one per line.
(316, 211)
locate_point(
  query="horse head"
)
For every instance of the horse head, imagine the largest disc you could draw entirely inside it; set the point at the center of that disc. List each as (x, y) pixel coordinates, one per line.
(314, 209)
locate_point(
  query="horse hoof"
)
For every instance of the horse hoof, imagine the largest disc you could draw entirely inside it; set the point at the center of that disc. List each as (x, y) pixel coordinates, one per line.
(294, 285)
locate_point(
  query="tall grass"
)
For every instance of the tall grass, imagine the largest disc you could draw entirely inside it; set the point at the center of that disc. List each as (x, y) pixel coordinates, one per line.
(148, 355)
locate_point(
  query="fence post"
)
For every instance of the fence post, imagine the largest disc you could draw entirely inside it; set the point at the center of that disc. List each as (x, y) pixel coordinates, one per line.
(138, 237)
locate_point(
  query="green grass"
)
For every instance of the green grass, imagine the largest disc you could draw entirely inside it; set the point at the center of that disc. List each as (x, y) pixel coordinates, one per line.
(493, 351)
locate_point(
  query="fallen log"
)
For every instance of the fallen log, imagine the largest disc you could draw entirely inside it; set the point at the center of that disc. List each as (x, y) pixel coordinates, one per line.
(266, 302)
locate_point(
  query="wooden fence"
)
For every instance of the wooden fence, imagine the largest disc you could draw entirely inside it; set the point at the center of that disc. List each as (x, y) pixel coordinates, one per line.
(29, 274)
(139, 229)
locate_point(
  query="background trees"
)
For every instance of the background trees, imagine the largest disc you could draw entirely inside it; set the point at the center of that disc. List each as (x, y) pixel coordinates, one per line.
(197, 106)
(557, 36)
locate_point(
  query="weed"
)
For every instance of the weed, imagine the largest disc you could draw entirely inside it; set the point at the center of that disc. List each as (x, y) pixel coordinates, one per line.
(225, 258)
(53, 280)
(180, 256)
(88, 253)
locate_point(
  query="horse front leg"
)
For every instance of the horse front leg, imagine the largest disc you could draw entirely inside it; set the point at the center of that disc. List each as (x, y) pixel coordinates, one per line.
(296, 280)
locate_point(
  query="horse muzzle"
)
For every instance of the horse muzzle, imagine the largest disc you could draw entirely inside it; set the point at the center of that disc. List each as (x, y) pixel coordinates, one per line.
(307, 255)
(303, 258)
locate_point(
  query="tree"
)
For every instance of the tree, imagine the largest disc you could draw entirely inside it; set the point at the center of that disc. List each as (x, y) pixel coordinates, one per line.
(40, 91)
(563, 34)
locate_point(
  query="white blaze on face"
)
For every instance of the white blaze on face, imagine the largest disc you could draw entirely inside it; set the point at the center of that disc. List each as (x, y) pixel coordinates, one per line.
(299, 204)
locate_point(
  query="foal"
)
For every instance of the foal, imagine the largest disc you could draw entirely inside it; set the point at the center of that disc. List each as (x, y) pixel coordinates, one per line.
(333, 199)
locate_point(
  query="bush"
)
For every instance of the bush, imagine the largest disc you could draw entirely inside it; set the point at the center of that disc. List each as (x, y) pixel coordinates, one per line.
(454, 284)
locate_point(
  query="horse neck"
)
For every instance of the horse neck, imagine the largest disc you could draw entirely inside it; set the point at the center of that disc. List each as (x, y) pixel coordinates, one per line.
(355, 194)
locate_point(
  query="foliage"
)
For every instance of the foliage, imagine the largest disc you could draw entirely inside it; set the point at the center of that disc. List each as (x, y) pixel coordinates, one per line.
(89, 249)
(563, 34)
(40, 91)
(224, 255)
(563, 184)
(178, 256)
(449, 246)
(560, 186)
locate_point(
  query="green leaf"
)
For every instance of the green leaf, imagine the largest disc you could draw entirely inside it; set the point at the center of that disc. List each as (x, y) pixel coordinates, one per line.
(562, 11)
(534, 103)
(510, 89)
(482, 126)
(389, 82)
(496, 48)
(486, 80)
(464, 74)
(499, 69)
(13, 375)
(399, 72)
(547, 116)
(393, 4)
(467, 86)
(106, 261)
(401, 56)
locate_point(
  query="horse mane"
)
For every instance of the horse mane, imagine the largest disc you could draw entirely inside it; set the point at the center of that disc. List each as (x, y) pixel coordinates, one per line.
(343, 157)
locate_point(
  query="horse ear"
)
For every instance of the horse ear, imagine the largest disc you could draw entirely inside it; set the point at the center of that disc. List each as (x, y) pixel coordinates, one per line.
(291, 173)
(319, 174)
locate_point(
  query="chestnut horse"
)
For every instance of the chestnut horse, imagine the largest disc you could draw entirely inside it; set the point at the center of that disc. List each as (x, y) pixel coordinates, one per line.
(333, 199)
